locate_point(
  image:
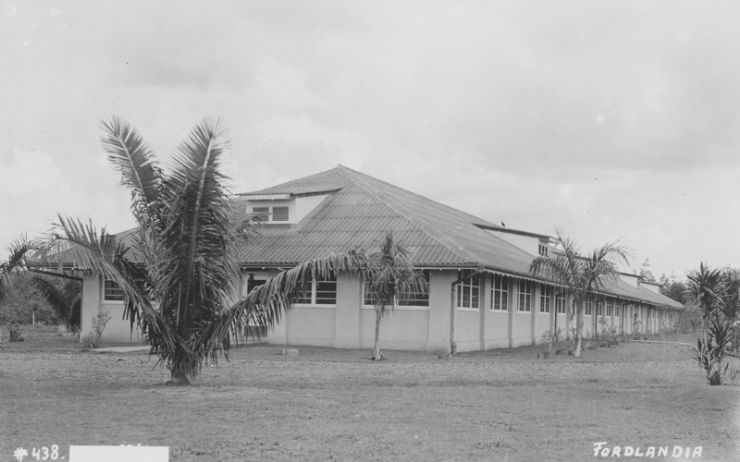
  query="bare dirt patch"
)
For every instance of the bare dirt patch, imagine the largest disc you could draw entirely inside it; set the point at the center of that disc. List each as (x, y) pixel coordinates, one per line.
(337, 405)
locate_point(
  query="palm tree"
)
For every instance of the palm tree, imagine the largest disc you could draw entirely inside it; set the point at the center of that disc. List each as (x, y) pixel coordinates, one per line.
(15, 263)
(707, 286)
(178, 268)
(391, 274)
(716, 294)
(580, 274)
(24, 259)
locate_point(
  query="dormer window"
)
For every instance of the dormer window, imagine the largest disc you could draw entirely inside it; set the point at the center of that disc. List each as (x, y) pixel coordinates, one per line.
(543, 249)
(274, 214)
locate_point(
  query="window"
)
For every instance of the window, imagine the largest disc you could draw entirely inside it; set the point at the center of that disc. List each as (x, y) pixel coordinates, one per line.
(252, 283)
(275, 214)
(326, 292)
(500, 293)
(468, 290)
(280, 214)
(600, 308)
(304, 292)
(545, 299)
(408, 298)
(261, 213)
(111, 291)
(256, 326)
(589, 307)
(313, 292)
(542, 249)
(560, 303)
(525, 296)
(609, 307)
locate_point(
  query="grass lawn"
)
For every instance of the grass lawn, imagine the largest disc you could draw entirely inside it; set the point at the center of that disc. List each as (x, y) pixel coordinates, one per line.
(336, 405)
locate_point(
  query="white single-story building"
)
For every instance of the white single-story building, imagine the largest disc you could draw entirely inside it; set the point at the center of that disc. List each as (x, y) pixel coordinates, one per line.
(481, 292)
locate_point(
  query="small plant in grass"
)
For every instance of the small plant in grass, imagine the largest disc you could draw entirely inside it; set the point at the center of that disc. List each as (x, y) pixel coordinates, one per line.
(612, 336)
(99, 322)
(546, 339)
(16, 332)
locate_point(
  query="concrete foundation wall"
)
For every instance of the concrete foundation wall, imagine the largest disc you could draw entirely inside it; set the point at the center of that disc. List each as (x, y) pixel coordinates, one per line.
(497, 329)
(403, 329)
(521, 329)
(541, 325)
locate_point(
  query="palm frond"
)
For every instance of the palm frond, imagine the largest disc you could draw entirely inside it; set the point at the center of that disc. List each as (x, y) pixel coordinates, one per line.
(64, 300)
(16, 261)
(103, 254)
(267, 303)
(139, 170)
(197, 233)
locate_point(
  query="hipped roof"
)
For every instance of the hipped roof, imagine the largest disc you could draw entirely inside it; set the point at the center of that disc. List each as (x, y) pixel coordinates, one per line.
(359, 209)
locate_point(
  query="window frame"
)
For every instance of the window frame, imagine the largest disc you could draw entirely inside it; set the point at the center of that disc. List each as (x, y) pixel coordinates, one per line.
(524, 297)
(472, 286)
(546, 298)
(499, 293)
(110, 284)
(561, 296)
(266, 213)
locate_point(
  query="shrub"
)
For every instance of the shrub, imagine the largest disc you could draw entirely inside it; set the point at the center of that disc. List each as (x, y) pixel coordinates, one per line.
(547, 339)
(99, 322)
(712, 355)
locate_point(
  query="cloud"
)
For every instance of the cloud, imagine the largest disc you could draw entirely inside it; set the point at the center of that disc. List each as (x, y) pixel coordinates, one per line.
(35, 189)
(604, 120)
(8, 9)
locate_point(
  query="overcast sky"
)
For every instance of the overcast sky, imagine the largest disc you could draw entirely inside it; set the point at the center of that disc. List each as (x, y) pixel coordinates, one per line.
(605, 120)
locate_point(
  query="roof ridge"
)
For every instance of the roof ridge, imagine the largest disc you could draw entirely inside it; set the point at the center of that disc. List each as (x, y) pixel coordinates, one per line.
(343, 169)
(359, 182)
(298, 181)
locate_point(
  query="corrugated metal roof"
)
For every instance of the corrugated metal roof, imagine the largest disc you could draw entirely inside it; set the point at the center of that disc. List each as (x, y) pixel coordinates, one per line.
(362, 208)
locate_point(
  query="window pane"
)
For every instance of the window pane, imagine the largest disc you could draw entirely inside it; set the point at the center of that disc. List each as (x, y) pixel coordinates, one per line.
(466, 296)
